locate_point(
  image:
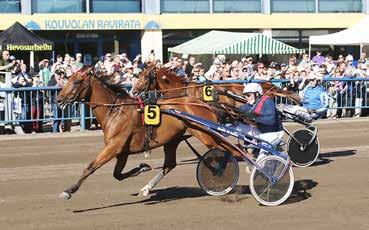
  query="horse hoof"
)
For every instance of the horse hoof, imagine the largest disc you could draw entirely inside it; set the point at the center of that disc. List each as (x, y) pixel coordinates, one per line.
(144, 167)
(145, 190)
(65, 195)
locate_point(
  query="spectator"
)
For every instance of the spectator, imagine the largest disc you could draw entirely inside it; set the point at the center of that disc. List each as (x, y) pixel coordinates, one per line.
(108, 63)
(330, 66)
(67, 66)
(198, 73)
(360, 87)
(214, 67)
(224, 70)
(272, 71)
(24, 97)
(250, 67)
(305, 62)
(78, 64)
(57, 64)
(99, 66)
(261, 72)
(293, 84)
(318, 58)
(58, 79)
(45, 73)
(190, 65)
(341, 91)
(284, 69)
(235, 73)
(340, 59)
(178, 68)
(37, 106)
(23, 72)
(129, 77)
(292, 64)
(118, 78)
(315, 98)
(138, 66)
(117, 64)
(332, 103)
(5, 64)
(349, 69)
(217, 75)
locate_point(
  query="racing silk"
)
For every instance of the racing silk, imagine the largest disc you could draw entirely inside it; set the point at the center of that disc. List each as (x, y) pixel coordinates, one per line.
(267, 117)
(315, 98)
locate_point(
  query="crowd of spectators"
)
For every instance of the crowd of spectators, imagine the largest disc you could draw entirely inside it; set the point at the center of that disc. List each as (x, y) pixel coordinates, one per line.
(296, 75)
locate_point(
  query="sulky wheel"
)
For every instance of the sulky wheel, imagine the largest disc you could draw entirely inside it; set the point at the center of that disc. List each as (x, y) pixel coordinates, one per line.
(302, 153)
(271, 192)
(217, 172)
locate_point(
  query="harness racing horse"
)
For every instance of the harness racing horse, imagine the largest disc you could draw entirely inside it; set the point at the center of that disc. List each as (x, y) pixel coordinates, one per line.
(171, 85)
(121, 122)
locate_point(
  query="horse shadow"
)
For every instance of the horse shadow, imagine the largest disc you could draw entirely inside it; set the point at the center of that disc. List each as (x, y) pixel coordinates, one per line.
(300, 191)
(325, 158)
(159, 196)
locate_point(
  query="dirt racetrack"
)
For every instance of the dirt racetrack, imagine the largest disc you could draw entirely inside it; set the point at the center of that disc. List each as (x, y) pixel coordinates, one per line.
(34, 169)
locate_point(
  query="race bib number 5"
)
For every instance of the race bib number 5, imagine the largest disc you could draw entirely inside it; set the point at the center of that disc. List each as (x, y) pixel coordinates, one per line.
(207, 93)
(152, 115)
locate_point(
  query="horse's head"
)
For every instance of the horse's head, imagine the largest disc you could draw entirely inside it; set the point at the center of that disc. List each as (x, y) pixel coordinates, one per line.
(77, 87)
(146, 81)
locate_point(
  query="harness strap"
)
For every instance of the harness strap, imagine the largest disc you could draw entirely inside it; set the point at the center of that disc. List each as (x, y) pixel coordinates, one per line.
(260, 105)
(142, 107)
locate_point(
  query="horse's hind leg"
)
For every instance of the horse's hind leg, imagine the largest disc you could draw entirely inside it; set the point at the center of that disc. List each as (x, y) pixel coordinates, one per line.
(109, 151)
(169, 164)
(121, 163)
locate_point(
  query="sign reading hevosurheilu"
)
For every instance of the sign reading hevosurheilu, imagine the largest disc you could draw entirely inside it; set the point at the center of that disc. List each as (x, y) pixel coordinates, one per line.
(91, 24)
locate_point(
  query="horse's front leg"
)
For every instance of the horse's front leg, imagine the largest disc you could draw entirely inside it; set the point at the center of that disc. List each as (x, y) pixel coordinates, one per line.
(170, 150)
(112, 149)
(121, 163)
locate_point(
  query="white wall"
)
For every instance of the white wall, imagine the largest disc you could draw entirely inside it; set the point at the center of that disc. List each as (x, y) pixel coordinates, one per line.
(152, 40)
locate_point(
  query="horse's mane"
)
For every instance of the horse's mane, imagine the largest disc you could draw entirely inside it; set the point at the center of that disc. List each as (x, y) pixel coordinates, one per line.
(172, 74)
(106, 80)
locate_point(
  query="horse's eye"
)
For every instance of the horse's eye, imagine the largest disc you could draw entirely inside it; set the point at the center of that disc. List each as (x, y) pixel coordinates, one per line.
(77, 82)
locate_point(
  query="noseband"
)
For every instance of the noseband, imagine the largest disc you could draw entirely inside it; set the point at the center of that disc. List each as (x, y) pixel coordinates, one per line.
(78, 94)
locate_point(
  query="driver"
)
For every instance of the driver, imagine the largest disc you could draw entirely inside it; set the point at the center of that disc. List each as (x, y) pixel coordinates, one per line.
(261, 109)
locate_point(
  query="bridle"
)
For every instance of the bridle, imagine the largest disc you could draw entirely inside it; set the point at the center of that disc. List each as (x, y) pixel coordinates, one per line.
(151, 81)
(85, 87)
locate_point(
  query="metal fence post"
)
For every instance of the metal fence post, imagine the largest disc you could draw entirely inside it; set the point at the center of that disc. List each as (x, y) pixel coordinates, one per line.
(83, 116)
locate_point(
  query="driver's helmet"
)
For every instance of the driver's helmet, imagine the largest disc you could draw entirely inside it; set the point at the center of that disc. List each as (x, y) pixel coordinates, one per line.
(253, 88)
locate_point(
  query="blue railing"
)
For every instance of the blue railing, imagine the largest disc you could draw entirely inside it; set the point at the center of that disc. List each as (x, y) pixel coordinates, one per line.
(38, 104)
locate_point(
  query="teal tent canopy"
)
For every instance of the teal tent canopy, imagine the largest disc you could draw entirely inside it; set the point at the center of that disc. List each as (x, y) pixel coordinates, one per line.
(222, 42)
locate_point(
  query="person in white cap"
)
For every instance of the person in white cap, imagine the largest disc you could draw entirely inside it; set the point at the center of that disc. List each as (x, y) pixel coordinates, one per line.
(261, 109)
(314, 97)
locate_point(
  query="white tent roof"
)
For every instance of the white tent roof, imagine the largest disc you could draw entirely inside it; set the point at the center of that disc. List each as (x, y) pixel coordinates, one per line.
(356, 35)
(223, 42)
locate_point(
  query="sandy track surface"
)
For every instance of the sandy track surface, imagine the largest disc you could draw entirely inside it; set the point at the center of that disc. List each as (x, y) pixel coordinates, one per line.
(332, 194)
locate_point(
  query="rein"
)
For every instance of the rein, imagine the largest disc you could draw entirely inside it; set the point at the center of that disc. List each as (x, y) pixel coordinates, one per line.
(192, 86)
(140, 104)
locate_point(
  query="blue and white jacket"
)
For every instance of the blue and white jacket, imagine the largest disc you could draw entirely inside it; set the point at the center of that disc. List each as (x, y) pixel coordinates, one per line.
(315, 97)
(267, 117)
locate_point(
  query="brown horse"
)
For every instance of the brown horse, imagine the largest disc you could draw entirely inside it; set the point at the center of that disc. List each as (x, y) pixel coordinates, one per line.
(123, 129)
(171, 85)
